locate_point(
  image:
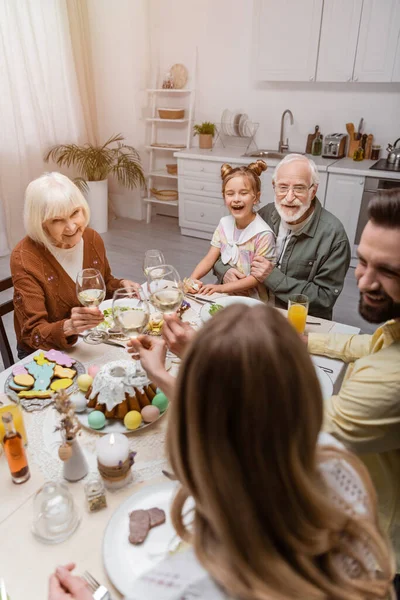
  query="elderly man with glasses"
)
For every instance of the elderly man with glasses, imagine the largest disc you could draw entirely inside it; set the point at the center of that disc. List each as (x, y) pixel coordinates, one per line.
(312, 248)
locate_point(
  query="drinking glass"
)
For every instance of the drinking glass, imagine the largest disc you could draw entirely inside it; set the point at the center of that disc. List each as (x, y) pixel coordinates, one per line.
(91, 291)
(55, 515)
(297, 311)
(131, 315)
(152, 258)
(165, 288)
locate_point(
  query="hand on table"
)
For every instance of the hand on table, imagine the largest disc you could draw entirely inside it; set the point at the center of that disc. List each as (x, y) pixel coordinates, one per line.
(261, 268)
(82, 318)
(63, 585)
(177, 334)
(152, 352)
(210, 288)
(195, 290)
(233, 275)
(135, 287)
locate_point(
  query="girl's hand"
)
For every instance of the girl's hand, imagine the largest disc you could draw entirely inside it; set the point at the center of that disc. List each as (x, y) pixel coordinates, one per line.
(210, 288)
(152, 352)
(65, 586)
(195, 290)
(132, 285)
(82, 318)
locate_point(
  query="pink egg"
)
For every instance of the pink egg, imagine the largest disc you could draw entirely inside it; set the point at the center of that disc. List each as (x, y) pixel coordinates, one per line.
(150, 413)
(93, 370)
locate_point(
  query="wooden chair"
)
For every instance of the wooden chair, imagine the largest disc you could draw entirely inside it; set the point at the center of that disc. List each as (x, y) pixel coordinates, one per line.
(5, 308)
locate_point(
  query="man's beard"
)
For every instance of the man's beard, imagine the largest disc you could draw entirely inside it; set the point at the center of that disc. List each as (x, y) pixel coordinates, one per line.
(373, 314)
(303, 208)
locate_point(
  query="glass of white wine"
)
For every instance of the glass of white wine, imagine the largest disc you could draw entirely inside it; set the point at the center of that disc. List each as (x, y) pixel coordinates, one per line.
(152, 258)
(165, 288)
(91, 291)
(131, 315)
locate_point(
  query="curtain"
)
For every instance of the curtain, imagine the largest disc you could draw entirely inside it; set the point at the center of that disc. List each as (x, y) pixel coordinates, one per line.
(40, 101)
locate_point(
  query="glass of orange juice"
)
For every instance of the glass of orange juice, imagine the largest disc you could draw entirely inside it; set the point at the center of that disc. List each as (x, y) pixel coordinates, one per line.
(297, 311)
(7, 405)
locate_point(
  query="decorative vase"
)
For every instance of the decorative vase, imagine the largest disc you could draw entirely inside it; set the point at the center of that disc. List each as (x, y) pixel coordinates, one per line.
(76, 467)
(97, 198)
(205, 141)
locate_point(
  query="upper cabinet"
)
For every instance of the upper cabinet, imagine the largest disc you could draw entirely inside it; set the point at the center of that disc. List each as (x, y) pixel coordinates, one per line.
(285, 38)
(327, 40)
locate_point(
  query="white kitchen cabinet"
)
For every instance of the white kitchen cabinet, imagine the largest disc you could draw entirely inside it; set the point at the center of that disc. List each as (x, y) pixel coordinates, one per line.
(285, 39)
(343, 199)
(336, 60)
(377, 40)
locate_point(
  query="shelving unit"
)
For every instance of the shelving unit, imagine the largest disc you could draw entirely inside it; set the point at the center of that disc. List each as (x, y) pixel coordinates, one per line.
(186, 97)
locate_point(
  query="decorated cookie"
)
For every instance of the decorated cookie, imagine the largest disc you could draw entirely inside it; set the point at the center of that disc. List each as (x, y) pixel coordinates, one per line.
(26, 381)
(19, 370)
(40, 359)
(61, 384)
(41, 373)
(60, 358)
(64, 372)
(35, 394)
(18, 388)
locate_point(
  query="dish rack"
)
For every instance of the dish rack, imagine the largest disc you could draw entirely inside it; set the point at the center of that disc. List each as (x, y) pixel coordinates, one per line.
(240, 141)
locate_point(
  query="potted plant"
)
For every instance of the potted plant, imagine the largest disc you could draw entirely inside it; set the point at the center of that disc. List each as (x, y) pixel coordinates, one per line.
(94, 165)
(206, 132)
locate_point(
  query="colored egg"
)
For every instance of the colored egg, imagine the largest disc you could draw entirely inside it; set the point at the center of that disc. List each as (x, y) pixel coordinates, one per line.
(79, 401)
(93, 370)
(84, 382)
(96, 419)
(161, 401)
(150, 413)
(132, 419)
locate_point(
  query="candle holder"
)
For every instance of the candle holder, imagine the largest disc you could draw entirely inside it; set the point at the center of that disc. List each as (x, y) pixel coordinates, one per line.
(114, 461)
(119, 476)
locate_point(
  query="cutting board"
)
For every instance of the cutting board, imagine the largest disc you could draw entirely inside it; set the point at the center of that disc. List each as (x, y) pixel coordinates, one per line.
(310, 138)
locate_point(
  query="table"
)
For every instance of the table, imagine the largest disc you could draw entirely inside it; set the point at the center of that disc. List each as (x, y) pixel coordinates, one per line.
(25, 563)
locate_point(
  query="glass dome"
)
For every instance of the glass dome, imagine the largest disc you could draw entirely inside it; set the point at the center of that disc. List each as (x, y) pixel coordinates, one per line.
(55, 515)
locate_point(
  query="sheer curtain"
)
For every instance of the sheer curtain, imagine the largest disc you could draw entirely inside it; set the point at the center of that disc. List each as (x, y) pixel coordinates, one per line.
(40, 100)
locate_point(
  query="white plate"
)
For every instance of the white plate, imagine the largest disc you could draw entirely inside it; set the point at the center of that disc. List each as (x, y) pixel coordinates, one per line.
(225, 119)
(112, 425)
(108, 304)
(125, 562)
(325, 382)
(242, 121)
(227, 301)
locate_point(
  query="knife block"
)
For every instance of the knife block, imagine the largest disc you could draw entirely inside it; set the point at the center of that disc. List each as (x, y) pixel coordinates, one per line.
(354, 144)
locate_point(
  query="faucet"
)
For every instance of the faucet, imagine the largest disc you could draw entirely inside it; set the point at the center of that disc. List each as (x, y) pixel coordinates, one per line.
(282, 147)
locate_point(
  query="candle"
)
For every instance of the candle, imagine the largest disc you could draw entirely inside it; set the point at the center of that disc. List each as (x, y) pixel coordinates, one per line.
(112, 449)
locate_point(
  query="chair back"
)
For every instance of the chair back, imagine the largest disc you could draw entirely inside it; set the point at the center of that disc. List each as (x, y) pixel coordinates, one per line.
(5, 308)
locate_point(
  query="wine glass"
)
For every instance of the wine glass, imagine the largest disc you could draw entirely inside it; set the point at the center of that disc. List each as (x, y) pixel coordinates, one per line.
(91, 291)
(165, 288)
(152, 258)
(131, 315)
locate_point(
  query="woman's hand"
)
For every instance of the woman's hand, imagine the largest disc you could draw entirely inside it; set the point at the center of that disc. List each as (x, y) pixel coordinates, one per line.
(132, 285)
(82, 318)
(195, 290)
(177, 334)
(210, 288)
(65, 586)
(152, 352)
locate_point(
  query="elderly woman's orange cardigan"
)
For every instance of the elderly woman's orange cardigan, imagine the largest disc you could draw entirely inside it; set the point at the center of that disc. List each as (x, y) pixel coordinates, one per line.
(44, 293)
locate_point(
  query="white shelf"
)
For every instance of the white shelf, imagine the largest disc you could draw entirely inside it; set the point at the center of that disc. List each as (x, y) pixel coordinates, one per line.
(168, 91)
(153, 200)
(162, 173)
(158, 120)
(166, 148)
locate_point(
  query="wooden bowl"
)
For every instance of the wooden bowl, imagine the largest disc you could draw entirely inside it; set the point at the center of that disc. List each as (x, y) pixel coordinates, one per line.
(171, 113)
(172, 169)
(166, 195)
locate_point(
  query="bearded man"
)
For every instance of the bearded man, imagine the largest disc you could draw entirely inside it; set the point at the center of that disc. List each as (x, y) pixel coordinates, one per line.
(312, 248)
(365, 414)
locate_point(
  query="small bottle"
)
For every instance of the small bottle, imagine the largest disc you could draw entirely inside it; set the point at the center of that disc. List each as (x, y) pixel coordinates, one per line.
(15, 451)
(375, 152)
(95, 494)
(358, 154)
(316, 148)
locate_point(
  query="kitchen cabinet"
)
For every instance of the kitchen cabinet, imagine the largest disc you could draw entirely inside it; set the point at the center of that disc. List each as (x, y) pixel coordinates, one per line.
(285, 39)
(343, 199)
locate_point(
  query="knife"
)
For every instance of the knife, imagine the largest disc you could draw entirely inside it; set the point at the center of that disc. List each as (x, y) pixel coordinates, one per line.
(359, 130)
(110, 343)
(200, 299)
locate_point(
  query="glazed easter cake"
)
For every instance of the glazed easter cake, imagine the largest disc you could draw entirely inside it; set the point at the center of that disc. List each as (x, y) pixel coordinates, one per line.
(119, 392)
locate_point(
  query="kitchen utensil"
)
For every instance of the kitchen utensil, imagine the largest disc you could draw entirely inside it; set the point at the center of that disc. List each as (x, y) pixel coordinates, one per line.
(179, 74)
(364, 142)
(368, 147)
(200, 299)
(108, 342)
(360, 128)
(350, 130)
(310, 138)
(394, 153)
(167, 195)
(99, 591)
(334, 145)
(171, 113)
(242, 123)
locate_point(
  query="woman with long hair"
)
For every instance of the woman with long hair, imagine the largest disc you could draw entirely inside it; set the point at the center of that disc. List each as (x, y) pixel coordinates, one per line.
(281, 511)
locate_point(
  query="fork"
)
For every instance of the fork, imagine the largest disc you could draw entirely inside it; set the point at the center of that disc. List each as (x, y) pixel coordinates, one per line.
(99, 591)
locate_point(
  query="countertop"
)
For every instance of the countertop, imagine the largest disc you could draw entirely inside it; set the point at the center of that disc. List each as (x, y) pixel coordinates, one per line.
(344, 166)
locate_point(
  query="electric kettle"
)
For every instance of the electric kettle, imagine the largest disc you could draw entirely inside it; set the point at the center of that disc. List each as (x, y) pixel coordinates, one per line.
(394, 153)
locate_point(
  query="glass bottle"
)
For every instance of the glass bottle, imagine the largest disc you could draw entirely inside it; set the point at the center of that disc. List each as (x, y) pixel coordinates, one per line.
(316, 148)
(95, 494)
(14, 451)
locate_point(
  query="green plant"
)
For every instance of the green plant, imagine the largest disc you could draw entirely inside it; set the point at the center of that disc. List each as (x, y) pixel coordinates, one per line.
(204, 128)
(95, 163)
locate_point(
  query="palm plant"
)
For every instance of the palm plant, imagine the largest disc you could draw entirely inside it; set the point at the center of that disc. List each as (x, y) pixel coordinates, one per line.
(95, 163)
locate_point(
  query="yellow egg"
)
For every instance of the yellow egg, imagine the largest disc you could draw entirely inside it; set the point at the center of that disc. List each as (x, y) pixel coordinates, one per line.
(132, 419)
(84, 382)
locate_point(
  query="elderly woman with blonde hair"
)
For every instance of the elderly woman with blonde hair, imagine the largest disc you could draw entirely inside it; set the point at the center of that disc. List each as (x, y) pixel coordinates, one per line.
(45, 264)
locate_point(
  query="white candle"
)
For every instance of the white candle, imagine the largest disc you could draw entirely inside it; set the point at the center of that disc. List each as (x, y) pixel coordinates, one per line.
(112, 449)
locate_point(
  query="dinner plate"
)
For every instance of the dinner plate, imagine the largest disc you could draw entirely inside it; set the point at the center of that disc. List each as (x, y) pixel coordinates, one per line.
(242, 122)
(125, 562)
(225, 119)
(109, 321)
(325, 382)
(227, 301)
(112, 425)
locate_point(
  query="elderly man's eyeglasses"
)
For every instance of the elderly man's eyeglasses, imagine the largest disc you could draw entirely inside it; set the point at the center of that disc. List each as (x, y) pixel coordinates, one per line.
(298, 190)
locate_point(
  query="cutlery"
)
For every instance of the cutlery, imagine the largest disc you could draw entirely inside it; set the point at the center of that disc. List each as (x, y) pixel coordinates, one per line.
(169, 475)
(99, 591)
(200, 299)
(325, 369)
(312, 323)
(359, 130)
(109, 342)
